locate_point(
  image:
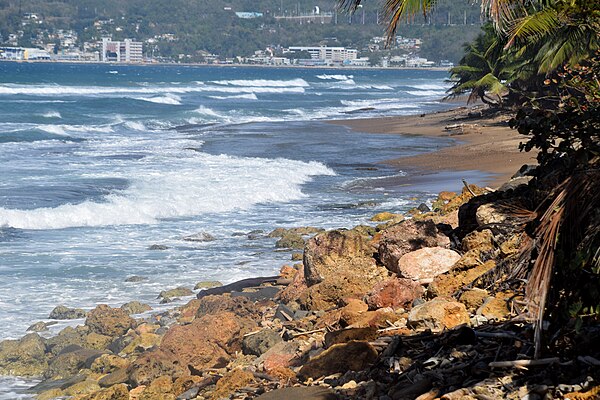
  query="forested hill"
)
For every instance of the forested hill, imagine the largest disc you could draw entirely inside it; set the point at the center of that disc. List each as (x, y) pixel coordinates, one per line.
(213, 26)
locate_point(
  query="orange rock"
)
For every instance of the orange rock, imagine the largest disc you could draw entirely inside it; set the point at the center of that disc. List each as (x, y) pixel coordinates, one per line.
(448, 284)
(438, 314)
(394, 293)
(230, 382)
(109, 321)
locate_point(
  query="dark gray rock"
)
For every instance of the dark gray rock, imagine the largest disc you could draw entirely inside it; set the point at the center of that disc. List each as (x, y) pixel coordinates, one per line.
(63, 312)
(158, 247)
(118, 376)
(200, 237)
(38, 327)
(260, 342)
(135, 307)
(136, 278)
(423, 208)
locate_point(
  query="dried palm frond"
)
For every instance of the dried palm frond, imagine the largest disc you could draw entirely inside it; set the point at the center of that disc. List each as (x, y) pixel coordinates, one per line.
(562, 226)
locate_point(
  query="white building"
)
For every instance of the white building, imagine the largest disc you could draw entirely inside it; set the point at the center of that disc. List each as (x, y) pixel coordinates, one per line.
(328, 54)
(126, 51)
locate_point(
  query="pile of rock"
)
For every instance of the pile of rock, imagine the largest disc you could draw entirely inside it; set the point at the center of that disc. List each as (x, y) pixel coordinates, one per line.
(390, 312)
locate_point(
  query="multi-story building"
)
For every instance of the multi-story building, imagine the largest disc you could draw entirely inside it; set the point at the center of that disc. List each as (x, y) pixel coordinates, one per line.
(126, 51)
(328, 54)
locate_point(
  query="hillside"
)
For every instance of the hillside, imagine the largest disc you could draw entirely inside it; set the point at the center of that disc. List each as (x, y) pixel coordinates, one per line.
(211, 26)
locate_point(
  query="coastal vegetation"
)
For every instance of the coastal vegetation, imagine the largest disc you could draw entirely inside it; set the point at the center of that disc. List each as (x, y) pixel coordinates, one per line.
(541, 58)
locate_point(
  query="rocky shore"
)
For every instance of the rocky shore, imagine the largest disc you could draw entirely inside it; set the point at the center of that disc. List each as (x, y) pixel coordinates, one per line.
(405, 308)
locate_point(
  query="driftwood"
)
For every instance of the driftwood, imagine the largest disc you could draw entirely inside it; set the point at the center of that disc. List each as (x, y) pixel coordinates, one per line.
(237, 286)
(523, 363)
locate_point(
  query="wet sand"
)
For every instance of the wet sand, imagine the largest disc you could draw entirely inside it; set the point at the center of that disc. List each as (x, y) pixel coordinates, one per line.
(483, 143)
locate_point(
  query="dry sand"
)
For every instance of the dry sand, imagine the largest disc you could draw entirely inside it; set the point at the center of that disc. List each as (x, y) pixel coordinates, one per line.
(484, 143)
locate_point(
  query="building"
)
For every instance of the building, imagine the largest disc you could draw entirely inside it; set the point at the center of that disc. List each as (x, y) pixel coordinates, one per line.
(23, 54)
(328, 54)
(126, 51)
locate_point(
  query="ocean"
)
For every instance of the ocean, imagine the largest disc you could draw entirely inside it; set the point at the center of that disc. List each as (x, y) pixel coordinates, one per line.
(100, 162)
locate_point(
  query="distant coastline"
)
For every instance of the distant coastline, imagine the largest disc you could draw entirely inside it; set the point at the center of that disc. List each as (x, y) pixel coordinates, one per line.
(339, 67)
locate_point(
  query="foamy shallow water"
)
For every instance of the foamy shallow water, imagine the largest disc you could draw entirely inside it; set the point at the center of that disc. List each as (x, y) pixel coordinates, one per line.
(101, 162)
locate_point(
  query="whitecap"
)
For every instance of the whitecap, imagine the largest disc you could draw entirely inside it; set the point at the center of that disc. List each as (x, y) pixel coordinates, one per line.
(298, 82)
(204, 184)
(52, 114)
(169, 99)
(249, 96)
(335, 77)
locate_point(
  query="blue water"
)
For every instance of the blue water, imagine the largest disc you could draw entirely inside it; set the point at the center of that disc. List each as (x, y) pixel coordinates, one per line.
(99, 162)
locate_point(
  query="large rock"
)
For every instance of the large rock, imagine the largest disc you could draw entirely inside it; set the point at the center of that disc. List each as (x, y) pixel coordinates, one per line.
(160, 389)
(408, 236)
(109, 321)
(63, 312)
(479, 240)
(340, 358)
(230, 382)
(135, 307)
(117, 392)
(438, 314)
(209, 341)
(448, 284)
(260, 342)
(338, 264)
(69, 336)
(176, 292)
(25, 357)
(154, 364)
(68, 364)
(290, 240)
(426, 263)
(395, 293)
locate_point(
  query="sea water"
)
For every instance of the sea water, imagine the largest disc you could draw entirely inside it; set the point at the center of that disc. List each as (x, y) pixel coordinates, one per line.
(100, 162)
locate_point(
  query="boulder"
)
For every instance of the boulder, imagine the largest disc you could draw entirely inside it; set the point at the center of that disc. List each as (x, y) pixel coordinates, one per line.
(135, 307)
(38, 327)
(69, 336)
(159, 389)
(69, 363)
(153, 364)
(489, 214)
(140, 342)
(116, 392)
(478, 240)
(290, 240)
(25, 357)
(107, 363)
(495, 308)
(96, 341)
(82, 388)
(109, 321)
(426, 263)
(230, 382)
(200, 237)
(300, 393)
(62, 312)
(473, 298)
(209, 341)
(176, 292)
(387, 216)
(394, 293)
(302, 231)
(338, 264)
(339, 358)
(258, 343)
(158, 247)
(136, 278)
(448, 284)
(280, 356)
(408, 236)
(350, 334)
(438, 314)
(207, 285)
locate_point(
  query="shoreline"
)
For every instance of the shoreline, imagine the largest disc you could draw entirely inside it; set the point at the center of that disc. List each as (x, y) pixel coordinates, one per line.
(482, 143)
(163, 64)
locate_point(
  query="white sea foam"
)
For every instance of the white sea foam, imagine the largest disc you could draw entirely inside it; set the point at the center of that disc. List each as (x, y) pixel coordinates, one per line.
(249, 96)
(426, 92)
(52, 114)
(135, 125)
(264, 83)
(55, 90)
(205, 184)
(430, 86)
(169, 98)
(335, 77)
(209, 111)
(65, 129)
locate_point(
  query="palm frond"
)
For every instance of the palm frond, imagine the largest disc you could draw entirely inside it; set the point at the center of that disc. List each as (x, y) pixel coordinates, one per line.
(533, 26)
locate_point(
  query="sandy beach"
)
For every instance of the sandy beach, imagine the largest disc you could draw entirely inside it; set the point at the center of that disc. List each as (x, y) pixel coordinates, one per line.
(484, 143)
